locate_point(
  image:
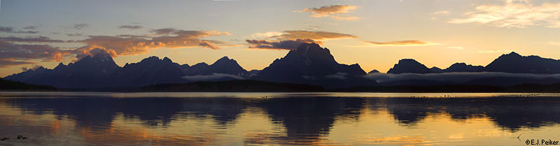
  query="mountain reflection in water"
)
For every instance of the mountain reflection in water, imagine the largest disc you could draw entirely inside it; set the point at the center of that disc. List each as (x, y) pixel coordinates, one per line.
(291, 120)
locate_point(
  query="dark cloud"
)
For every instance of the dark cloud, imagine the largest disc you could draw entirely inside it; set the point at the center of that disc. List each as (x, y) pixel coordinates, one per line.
(80, 26)
(6, 62)
(314, 35)
(15, 53)
(12, 30)
(6, 29)
(39, 39)
(30, 27)
(130, 27)
(74, 34)
(282, 45)
(35, 67)
(23, 50)
(403, 43)
(163, 31)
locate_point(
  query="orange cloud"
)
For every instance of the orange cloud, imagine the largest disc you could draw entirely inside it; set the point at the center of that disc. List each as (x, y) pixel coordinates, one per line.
(13, 48)
(92, 50)
(344, 18)
(332, 10)
(325, 11)
(166, 37)
(403, 43)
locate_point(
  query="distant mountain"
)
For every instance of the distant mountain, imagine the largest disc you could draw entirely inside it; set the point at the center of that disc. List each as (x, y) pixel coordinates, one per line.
(149, 71)
(515, 63)
(223, 65)
(375, 71)
(311, 64)
(88, 72)
(101, 72)
(30, 74)
(436, 70)
(463, 67)
(409, 66)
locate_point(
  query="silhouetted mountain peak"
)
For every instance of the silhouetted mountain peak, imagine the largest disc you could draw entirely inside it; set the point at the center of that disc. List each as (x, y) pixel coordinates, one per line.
(374, 71)
(149, 71)
(408, 61)
(224, 65)
(512, 54)
(202, 64)
(409, 66)
(60, 66)
(308, 53)
(165, 59)
(150, 59)
(311, 64)
(225, 60)
(463, 67)
(515, 63)
(436, 70)
(153, 61)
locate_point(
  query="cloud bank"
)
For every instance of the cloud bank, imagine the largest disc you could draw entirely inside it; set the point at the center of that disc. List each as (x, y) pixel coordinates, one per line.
(19, 54)
(517, 14)
(12, 30)
(130, 27)
(290, 39)
(457, 77)
(20, 50)
(162, 38)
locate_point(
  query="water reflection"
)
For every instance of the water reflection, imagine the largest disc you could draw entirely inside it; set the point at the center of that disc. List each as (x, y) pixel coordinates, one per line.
(509, 113)
(284, 121)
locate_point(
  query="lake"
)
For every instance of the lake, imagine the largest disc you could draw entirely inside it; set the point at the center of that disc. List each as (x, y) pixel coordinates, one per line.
(94, 118)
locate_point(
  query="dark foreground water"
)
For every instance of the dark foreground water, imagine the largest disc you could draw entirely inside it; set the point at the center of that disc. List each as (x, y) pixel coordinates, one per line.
(62, 118)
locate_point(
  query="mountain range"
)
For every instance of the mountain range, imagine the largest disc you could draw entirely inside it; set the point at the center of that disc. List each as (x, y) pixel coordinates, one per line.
(309, 64)
(507, 63)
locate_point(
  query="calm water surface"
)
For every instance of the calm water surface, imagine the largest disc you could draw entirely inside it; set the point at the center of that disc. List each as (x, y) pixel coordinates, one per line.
(78, 118)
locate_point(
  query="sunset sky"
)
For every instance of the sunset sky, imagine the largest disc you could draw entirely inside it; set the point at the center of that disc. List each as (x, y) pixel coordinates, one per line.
(373, 33)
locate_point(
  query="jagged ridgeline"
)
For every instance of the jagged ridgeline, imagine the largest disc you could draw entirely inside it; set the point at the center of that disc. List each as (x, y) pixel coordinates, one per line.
(507, 63)
(308, 64)
(311, 64)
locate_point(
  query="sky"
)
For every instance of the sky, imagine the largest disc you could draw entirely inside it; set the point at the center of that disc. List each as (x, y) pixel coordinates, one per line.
(373, 33)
